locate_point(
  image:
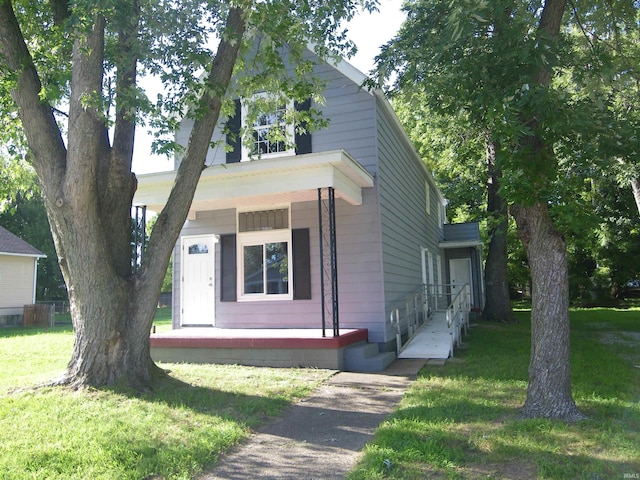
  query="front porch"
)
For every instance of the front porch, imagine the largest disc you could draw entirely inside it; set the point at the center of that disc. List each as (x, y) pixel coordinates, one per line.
(256, 347)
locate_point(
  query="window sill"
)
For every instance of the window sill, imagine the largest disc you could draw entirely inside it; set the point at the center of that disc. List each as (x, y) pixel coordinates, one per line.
(265, 298)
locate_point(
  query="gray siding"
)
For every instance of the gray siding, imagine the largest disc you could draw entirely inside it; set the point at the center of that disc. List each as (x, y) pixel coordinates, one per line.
(406, 227)
(455, 232)
(349, 109)
(379, 242)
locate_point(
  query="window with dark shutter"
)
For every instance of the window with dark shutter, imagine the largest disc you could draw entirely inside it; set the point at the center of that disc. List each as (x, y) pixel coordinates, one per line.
(301, 264)
(234, 140)
(303, 140)
(228, 268)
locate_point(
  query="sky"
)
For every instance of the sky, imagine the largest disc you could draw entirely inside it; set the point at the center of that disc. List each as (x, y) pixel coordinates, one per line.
(368, 31)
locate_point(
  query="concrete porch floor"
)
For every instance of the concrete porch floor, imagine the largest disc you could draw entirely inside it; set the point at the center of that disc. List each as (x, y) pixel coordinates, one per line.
(258, 347)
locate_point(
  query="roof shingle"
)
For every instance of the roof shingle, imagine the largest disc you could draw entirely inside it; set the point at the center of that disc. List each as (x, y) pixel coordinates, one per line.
(11, 244)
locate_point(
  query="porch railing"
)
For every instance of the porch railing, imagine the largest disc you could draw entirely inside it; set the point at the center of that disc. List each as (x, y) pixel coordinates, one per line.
(457, 313)
(418, 308)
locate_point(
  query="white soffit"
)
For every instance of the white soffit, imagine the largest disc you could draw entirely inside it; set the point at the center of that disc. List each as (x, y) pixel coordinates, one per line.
(460, 244)
(267, 181)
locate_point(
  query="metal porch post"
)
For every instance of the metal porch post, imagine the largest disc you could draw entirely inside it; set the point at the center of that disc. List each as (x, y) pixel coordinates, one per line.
(328, 260)
(139, 236)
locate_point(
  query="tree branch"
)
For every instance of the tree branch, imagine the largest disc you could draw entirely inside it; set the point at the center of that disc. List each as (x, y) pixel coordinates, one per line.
(40, 127)
(88, 136)
(116, 184)
(174, 214)
(61, 11)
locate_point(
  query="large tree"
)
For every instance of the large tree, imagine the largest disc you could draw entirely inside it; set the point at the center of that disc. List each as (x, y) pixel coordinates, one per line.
(470, 103)
(70, 75)
(504, 65)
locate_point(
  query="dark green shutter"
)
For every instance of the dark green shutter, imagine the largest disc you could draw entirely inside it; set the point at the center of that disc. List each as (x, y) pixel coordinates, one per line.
(228, 268)
(301, 264)
(233, 134)
(303, 140)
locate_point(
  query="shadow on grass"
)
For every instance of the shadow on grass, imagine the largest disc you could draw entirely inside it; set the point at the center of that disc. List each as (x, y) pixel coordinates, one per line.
(462, 420)
(172, 432)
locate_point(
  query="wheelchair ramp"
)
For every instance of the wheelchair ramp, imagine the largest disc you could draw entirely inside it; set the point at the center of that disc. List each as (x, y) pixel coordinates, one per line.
(433, 340)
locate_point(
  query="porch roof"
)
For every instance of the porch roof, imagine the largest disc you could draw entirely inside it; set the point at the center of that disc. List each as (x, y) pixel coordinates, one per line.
(273, 180)
(461, 235)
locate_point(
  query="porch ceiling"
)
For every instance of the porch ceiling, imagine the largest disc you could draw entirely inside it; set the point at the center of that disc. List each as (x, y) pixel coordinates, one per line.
(272, 181)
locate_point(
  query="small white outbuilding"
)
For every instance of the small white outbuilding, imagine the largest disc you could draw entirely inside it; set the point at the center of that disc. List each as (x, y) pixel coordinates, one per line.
(18, 274)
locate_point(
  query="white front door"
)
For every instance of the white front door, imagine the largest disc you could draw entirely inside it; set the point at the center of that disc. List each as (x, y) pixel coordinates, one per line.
(460, 274)
(198, 291)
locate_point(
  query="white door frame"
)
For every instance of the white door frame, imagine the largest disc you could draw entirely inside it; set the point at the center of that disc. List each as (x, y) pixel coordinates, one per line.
(204, 314)
(467, 261)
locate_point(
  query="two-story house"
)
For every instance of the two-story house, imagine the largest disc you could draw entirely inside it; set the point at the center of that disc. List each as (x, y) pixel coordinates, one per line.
(329, 236)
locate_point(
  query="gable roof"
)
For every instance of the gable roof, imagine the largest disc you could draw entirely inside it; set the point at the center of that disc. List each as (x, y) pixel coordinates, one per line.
(11, 244)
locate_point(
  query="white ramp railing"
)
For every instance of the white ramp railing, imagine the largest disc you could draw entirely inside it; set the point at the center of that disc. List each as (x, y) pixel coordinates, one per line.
(409, 316)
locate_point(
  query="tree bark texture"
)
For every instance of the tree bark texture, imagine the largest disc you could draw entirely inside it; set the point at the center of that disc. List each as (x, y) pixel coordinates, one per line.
(88, 188)
(549, 391)
(497, 302)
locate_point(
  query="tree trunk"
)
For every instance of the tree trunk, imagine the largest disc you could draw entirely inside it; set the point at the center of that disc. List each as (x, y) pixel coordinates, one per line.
(549, 391)
(497, 302)
(88, 189)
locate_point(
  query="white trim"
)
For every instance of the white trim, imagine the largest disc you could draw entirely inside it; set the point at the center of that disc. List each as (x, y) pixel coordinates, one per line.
(460, 244)
(273, 180)
(342, 65)
(260, 238)
(427, 198)
(34, 255)
(35, 279)
(351, 72)
(423, 259)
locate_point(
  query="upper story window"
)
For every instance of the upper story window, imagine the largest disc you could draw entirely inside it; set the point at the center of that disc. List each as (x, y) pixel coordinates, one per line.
(268, 127)
(271, 134)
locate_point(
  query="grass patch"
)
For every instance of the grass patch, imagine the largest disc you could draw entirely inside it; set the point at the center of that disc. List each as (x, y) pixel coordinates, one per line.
(162, 321)
(462, 420)
(172, 433)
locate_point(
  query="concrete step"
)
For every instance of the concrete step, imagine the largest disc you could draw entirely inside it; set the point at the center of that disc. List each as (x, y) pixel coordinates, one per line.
(366, 357)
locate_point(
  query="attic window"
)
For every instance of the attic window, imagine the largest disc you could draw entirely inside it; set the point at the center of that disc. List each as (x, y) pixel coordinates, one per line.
(271, 135)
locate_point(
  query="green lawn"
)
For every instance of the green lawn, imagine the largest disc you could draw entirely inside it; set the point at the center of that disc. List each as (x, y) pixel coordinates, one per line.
(170, 433)
(456, 421)
(462, 420)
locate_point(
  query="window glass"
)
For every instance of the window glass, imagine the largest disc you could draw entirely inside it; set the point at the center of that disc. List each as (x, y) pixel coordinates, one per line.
(264, 240)
(277, 268)
(198, 249)
(253, 269)
(269, 133)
